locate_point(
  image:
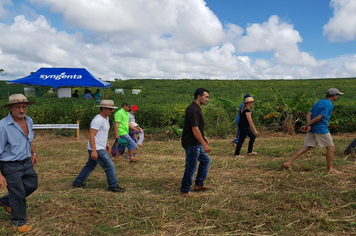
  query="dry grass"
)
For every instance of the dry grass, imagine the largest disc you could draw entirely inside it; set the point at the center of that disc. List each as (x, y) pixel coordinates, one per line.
(251, 196)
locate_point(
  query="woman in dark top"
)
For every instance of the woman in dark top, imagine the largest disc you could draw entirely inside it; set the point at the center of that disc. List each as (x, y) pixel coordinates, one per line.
(244, 126)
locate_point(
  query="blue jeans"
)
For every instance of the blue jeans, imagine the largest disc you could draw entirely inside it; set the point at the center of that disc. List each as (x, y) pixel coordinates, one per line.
(21, 181)
(236, 140)
(352, 145)
(131, 144)
(193, 155)
(105, 162)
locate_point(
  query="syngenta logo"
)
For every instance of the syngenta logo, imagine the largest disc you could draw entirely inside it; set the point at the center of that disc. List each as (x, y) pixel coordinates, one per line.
(61, 76)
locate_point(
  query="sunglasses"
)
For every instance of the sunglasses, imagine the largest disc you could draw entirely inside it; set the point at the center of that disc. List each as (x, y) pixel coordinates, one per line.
(109, 108)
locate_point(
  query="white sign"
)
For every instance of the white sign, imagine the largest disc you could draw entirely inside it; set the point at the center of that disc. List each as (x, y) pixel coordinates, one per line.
(64, 92)
(136, 91)
(119, 91)
(30, 91)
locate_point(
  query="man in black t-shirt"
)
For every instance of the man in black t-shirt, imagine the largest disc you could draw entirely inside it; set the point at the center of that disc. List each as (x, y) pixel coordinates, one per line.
(195, 145)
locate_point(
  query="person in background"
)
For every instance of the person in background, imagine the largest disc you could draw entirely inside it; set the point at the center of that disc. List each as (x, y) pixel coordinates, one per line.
(50, 90)
(317, 130)
(75, 94)
(195, 145)
(133, 126)
(97, 96)
(122, 132)
(98, 149)
(17, 159)
(244, 126)
(86, 90)
(88, 95)
(237, 120)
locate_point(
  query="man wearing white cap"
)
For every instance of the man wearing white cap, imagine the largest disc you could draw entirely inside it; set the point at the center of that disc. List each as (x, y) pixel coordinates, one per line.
(317, 130)
(98, 147)
(16, 164)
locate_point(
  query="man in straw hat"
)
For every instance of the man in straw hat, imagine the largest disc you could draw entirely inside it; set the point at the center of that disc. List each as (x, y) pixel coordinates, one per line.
(17, 158)
(98, 147)
(317, 130)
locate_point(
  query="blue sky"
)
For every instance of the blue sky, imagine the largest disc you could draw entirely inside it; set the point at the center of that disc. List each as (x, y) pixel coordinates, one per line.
(211, 39)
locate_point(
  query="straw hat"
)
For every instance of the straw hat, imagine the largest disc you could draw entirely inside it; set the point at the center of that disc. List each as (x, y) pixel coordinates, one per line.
(16, 99)
(249, 99)
(107, 104)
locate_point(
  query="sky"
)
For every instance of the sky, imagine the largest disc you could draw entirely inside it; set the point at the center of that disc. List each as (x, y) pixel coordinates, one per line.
(180, 39)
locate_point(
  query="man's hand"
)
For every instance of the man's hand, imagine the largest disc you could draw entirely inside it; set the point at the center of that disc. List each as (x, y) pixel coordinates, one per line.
(2, 181)
(94, 155)
(108, 148)
(206, 140)
(206, 148)
(34, 160)
(305, 128)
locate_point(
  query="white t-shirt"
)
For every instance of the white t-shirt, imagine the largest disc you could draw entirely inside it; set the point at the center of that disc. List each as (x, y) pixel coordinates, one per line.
(102, 125)
(131, 117)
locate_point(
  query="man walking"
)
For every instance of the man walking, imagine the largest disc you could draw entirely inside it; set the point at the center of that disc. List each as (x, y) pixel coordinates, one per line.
(195, 145)
(317, 130)
(16, 164)
(98, 147)
(122, 132)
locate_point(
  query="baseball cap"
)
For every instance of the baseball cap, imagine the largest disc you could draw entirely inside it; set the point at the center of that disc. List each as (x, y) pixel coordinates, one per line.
(333, 91)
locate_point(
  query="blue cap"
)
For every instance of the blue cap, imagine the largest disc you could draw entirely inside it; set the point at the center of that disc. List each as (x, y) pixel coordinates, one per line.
(247, 96)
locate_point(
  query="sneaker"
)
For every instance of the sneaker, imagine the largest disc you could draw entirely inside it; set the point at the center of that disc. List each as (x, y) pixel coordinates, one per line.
(188, 194)
(347, 152)
(81, 185)
(117, 189)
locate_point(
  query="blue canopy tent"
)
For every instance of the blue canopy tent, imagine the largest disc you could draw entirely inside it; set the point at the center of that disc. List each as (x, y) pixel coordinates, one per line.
(62, 77)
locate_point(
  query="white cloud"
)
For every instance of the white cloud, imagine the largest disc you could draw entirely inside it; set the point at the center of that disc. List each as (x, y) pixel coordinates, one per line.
(157, 39)
(342, 26)
(279, 38)
(3, 11)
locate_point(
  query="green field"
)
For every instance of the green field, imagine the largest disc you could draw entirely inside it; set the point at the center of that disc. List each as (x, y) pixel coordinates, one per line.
(162, 103)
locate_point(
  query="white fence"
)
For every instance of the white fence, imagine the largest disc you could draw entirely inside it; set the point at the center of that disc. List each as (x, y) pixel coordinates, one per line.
(58, 126)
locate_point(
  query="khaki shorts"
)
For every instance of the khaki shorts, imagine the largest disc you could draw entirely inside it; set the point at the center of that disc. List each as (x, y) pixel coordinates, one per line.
(323, 140)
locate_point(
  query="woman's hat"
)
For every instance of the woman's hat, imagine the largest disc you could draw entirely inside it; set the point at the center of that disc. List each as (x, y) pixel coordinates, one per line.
(249, 99)
(134, 108)
(107, 104)
(16, 99)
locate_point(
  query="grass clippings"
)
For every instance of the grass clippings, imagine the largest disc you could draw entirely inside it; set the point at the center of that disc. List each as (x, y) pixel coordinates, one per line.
(251, 195)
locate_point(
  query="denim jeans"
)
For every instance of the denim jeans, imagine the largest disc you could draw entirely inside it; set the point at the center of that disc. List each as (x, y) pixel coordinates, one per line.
(131, 144)
(236, 140)
(21, 181)
(352, 145)
(105, 162)
(193, 155)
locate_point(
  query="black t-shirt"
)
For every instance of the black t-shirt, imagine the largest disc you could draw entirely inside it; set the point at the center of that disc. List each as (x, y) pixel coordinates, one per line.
(193, 117)
(243, 124)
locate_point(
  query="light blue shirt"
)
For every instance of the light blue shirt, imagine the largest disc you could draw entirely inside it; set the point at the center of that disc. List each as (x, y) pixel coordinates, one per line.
(325, 108)
(14, 145)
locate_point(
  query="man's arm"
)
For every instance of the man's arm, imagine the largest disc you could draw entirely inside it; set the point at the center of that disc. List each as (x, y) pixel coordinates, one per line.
(200, 138)
(311, 122)
(34, 156)
(116, 128)
(94, 154)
